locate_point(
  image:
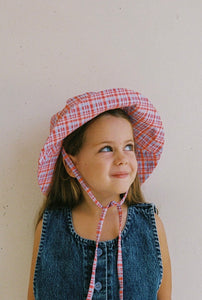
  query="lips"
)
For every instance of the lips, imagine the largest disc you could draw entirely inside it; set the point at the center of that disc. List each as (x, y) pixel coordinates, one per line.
(120, 175)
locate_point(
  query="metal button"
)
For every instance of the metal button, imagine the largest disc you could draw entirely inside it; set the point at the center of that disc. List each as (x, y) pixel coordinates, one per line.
(98, 286)
(99, 252)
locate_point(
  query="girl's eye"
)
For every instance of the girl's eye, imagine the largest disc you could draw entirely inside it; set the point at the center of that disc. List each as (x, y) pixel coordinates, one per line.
(106, 149)
(129, 147)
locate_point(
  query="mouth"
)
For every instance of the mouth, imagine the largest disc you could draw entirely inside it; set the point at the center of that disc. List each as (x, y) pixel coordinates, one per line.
(121, 175)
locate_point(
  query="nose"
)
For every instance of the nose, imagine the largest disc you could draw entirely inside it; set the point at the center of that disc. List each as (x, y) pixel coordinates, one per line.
(120, 158)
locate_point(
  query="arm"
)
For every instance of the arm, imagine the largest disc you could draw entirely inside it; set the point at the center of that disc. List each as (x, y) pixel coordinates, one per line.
(164, 292)
(37, 239)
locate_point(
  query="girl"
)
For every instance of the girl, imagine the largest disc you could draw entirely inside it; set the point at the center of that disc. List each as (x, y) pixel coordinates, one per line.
(96, 238)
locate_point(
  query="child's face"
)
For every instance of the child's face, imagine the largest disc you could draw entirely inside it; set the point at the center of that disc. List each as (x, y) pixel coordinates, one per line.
(107, 159)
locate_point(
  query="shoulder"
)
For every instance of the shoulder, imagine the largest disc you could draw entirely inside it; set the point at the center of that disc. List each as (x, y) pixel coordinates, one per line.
(160, 227)
(146, 209)
(142, 214)
(58, 213)
(143, 207)
(162, 238)
(161, 235)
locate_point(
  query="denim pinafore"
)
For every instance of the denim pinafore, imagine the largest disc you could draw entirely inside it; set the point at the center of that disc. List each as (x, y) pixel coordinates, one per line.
(64, 262)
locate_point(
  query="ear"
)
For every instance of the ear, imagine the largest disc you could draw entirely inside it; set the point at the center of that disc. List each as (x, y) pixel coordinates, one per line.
(67, 168)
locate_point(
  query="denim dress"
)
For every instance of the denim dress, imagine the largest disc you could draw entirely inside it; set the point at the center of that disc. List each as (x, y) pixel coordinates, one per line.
(64, 261)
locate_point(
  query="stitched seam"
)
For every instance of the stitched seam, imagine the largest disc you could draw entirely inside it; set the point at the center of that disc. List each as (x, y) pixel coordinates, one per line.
(157, 244)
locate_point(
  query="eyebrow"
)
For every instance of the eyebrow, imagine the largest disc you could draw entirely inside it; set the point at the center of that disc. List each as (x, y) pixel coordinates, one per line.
(111, 142)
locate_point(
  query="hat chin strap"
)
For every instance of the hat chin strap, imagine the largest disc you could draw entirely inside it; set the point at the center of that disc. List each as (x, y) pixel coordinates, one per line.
(99, 228)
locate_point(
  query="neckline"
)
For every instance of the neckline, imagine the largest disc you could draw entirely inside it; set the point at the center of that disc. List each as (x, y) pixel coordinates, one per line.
(112, 242)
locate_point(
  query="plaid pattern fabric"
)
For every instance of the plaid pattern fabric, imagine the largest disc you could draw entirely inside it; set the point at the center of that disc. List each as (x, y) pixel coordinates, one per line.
(147, 128)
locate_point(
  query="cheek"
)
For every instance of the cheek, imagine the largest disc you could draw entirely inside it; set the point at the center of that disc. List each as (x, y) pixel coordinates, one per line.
(84, 168)
(134, 164)
(88, 168)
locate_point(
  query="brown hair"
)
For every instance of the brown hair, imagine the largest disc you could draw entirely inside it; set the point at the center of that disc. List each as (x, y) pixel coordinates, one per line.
(66, 191)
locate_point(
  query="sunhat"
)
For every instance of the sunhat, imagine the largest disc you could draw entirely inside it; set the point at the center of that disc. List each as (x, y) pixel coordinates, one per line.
(149, 140)
(146, 122)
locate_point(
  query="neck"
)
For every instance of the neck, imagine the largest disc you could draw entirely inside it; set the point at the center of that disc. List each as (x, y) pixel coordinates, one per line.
(87, 205)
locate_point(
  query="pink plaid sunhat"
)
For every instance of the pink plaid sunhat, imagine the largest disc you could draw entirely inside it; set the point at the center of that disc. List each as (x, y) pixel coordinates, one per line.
(146, 122)
(149, 140)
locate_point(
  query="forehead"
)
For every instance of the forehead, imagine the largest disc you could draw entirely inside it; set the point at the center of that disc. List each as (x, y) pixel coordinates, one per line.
(109, 127)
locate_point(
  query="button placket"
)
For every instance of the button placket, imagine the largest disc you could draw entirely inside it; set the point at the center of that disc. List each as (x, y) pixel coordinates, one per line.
(101, 272)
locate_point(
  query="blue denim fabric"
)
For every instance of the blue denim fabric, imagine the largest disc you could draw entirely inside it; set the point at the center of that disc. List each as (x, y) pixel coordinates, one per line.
(64, 261)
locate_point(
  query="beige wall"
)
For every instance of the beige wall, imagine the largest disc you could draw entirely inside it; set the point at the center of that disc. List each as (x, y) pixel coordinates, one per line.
(52, 50)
